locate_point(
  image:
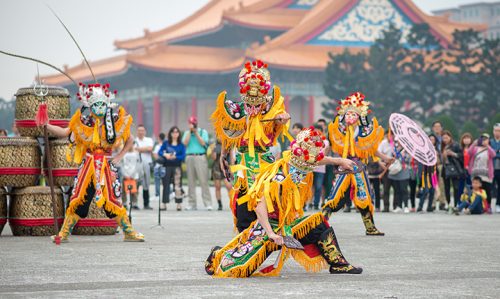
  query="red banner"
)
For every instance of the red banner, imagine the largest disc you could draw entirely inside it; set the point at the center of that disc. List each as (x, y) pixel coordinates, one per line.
(30, 123)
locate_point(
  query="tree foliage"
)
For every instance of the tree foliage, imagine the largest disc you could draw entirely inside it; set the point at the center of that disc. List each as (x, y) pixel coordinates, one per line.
(417, 75)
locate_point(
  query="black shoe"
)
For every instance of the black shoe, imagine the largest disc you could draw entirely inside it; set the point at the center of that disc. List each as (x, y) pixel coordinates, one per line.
(419, 210)
(385, 210)
(220, 205)
(349, 269)
(316, 208)
(347, 209)
(135, 208)
(208, 263)
(147, 208)
(442, 207)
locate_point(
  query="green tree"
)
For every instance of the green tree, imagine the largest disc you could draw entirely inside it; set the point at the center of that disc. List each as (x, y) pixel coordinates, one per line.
(423, 69)
(489, 78)
(463, 62)
(385, 86)
(345, 74)
(470, 127)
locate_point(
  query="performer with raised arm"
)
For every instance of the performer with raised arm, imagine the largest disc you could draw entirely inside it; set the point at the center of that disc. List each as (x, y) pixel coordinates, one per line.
(96, 129)
(355, 137)
(249, 126)
(278, 196)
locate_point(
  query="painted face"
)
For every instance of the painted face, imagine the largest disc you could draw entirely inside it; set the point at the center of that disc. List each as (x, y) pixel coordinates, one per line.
(351, 118)
(99, 109)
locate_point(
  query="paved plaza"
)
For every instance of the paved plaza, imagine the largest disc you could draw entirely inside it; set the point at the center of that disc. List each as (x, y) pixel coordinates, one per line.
(422, 256)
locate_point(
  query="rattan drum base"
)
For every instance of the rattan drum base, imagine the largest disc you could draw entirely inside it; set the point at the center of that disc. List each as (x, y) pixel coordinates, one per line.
(31, 211)
(18, 180)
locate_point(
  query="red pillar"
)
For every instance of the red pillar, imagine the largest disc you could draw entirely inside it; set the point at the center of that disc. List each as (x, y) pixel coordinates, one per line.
(287, 103)
(140, 112)
(156, 116)
(125, 105)
(311, 109)
(194, 106)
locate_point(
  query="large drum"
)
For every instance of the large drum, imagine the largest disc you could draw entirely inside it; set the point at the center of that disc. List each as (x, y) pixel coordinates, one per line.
(63, 171)
(58, 108)
(3, 209)
(96, 223)
(20, 161)
(31, 211)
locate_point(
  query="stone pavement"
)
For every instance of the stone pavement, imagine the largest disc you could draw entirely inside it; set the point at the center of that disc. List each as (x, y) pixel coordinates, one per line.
(422, 256)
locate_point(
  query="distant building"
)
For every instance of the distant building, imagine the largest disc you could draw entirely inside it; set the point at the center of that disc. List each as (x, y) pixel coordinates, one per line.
(480, 12)
(167, 75)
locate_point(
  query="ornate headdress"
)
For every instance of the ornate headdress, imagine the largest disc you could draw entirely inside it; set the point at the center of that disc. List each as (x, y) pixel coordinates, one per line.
(95, 93)
(355, 102)
(307, 149)
(255, 83)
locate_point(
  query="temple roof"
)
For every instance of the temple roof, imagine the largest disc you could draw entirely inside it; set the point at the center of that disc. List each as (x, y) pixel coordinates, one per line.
(206, 19)
(261, 14)
(317, 27)
(333, 25)
(162, 58)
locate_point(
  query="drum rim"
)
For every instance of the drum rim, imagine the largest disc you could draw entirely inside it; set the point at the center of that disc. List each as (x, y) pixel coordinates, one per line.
(52, 91)
(39, 189)
(8, 141)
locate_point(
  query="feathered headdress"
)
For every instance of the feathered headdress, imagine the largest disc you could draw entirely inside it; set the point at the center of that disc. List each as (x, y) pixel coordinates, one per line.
(94, 93)
(355, 102)
(307, 149)
(254, 82)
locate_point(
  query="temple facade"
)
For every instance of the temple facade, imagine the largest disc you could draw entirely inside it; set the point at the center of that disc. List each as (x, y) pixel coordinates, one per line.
(168, 75)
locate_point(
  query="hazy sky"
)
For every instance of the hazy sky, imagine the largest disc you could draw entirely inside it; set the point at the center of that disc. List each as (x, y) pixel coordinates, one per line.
(27, 27)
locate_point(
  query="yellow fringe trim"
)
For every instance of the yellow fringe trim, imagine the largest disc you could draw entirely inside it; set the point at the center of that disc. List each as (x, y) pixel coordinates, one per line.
(310, 264)
(332, 203)
(344, 144)
(85, 137)
(246, 269)
(285, 194)
(80, 199)
(222, 120)
(283, 256)
(303, 228)
(255, 131)
(363, 204)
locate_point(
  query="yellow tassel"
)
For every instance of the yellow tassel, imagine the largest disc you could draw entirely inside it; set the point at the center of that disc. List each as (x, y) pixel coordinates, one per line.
(84, 181)
(310, 264)
(332, 203)
(95, 137)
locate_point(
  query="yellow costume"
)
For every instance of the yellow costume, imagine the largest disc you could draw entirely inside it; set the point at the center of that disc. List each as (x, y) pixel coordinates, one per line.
(353, 136)
(249, 127)
(284, 185)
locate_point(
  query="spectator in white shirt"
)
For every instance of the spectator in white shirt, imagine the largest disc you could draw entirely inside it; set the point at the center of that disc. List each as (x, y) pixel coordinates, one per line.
(144, 146)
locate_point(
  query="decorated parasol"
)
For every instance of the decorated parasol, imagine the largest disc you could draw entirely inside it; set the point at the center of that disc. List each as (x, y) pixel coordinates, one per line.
(413, 139)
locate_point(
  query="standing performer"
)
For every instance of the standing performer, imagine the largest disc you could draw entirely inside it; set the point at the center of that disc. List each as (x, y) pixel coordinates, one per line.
(278, 196)
(251, 126)
(353, 136)
(96, 129)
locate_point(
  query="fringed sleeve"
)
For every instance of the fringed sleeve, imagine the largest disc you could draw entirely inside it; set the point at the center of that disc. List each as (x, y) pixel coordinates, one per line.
(367, 146)
(363, 147)
(229, 121)
(278, 107)
(278, 191)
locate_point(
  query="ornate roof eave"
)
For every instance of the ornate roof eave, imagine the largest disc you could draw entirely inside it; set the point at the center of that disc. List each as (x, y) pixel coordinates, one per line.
(207, 19)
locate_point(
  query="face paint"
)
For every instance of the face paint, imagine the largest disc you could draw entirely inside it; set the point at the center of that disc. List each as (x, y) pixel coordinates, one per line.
(351, 117)
(99, 109)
